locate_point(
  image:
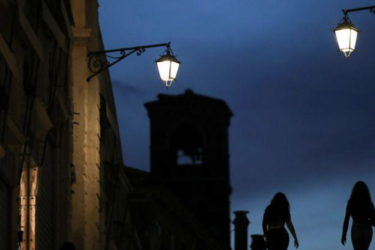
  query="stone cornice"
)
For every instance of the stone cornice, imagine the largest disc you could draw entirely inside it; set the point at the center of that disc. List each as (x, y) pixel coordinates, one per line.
(81, 34)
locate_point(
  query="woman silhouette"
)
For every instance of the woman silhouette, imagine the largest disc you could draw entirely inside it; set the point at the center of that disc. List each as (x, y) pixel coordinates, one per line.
(360, 208)
(275, 217)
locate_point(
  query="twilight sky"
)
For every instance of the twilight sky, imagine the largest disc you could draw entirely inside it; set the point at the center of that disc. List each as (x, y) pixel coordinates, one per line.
(304, 120)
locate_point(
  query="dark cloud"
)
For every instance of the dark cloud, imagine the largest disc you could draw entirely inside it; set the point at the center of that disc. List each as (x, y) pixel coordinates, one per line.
(126, 89)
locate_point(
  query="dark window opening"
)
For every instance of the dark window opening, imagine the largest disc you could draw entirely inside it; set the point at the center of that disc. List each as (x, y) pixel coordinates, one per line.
(187, 145)
(189, 158)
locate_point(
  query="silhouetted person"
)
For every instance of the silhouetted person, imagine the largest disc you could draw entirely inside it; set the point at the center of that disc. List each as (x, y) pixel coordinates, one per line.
(360, 208)
(276, 215)
(68, 246)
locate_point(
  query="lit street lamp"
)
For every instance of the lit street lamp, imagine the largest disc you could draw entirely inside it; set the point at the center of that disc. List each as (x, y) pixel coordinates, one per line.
(167, 64)
(346, 33)
(346, 36)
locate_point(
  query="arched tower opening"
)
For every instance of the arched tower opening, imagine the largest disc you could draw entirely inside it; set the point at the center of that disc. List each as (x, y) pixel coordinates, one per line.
(187, 145)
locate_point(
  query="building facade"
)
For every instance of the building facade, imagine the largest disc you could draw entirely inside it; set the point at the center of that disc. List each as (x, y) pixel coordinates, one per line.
(62, 177)
(61, 168)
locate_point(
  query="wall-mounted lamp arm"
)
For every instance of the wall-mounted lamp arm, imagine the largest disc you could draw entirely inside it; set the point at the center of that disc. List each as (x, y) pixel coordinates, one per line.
(97, 61)
(370, 8)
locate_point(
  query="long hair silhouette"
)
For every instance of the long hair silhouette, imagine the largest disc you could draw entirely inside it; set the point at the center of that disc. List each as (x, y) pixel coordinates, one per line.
(360, 199)
(279, 208)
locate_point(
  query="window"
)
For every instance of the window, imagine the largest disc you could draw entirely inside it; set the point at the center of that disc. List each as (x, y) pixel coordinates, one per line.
(187, 145)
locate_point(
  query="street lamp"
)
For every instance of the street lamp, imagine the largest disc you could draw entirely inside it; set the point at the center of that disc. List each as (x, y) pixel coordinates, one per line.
(346, 33)
(168, 66)
(167, 63)
(346, 36)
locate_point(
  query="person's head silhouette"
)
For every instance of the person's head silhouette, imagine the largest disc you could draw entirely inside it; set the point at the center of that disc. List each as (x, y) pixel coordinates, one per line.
(279, 208)
(360, 195)
(280, 200)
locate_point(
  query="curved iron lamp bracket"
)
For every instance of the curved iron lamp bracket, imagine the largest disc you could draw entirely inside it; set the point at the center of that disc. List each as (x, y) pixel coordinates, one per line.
(370, 8)
(97, 61)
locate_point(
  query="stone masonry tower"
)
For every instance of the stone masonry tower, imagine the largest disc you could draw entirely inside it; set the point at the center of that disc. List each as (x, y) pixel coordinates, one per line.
(190, 155)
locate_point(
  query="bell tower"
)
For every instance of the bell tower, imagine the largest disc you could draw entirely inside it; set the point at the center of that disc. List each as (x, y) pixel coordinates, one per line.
(190, 155)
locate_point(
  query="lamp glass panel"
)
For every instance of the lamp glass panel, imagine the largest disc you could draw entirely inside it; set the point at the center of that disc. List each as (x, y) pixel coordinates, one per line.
(174, 70)
(343, 39)
(164, 70)
(346, 39)
(353, 39)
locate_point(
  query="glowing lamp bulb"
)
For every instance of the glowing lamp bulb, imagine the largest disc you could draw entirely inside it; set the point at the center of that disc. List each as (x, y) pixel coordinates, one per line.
(346, 36)
(168, 67)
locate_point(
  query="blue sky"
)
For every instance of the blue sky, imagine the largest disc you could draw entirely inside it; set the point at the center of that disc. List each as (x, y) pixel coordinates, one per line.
(304, 118)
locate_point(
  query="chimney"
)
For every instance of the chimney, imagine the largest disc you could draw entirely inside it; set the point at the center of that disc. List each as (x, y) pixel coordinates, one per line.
(258, 242)
(241, 224)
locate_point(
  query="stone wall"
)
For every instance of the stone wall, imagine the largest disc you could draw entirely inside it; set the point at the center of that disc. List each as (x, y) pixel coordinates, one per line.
(35, 123)
(61, 169)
